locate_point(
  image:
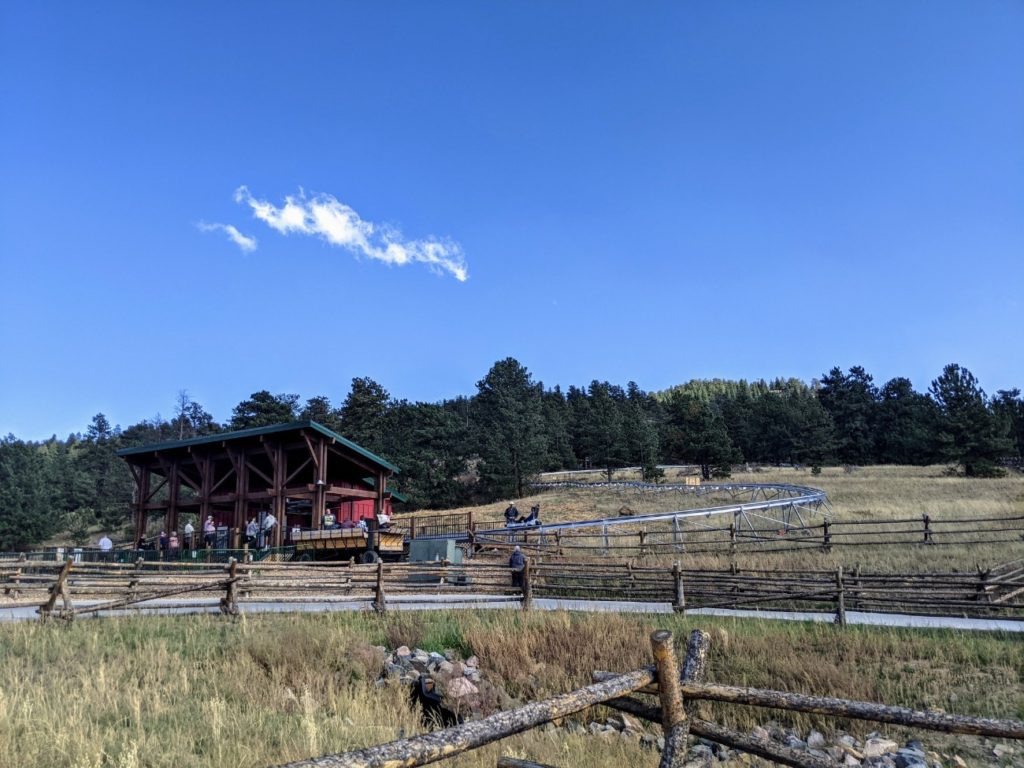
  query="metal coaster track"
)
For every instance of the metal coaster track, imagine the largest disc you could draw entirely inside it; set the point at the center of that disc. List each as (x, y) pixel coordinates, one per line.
(780, 503)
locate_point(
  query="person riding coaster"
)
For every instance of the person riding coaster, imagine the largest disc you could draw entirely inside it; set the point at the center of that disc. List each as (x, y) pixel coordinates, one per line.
(528, 521)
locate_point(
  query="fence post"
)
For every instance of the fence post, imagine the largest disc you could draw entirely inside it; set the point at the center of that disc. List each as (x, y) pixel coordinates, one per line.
(675, 532)
(379, 599)
(606, 538)
(840, 598)
(229, 603)
(57, 590)
(558, 540)
(679, 604)
(826, 536)
(673, 716)
(732, 538)
(643, 541)
(527, 587)
(927, 528)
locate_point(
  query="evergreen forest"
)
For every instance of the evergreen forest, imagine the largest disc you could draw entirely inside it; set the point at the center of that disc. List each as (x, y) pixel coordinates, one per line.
(488, 445)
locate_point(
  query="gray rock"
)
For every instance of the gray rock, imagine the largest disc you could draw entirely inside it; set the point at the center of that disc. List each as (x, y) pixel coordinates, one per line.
(436, 657)
(446, 667)
(700, 752)
(850, 760)
(472, 661)
(876, 746)
(760, 733)
(403, 650)
(794, 743)
(815, 740)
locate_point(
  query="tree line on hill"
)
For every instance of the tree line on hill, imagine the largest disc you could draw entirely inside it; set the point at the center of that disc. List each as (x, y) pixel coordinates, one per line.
(489, 445)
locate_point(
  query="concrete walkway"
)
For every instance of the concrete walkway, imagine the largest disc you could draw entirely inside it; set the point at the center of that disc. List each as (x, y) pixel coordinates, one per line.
(478, 602)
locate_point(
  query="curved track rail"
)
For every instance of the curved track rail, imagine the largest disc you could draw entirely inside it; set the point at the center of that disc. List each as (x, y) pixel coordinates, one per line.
(779, 503)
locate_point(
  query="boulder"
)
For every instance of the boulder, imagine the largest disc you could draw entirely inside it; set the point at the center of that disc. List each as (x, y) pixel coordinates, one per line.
(403, 650)
(473, 661)
(760, 733)
(815, 740)
(459, 687)
(446, 668)
(876, 747)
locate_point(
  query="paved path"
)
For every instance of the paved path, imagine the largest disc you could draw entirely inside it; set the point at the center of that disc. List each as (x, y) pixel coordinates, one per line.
(476, 602)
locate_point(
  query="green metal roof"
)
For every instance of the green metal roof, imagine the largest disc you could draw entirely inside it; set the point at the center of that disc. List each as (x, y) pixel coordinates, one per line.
(257, 432)
(372, 482)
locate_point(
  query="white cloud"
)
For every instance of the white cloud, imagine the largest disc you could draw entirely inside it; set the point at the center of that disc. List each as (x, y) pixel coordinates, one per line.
(327, 217)
(246, 243)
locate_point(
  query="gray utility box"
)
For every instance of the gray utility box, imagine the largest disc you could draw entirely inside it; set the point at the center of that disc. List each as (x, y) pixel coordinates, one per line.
(437, 550)
(422, 550)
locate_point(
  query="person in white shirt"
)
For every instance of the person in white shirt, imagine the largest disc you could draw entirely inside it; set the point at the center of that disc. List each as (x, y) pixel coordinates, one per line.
(190, 535)
(106, 544)
(268, 527)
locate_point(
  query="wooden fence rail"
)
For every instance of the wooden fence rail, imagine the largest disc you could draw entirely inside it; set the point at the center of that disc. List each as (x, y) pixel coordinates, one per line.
(673, 689)
(685, 535)
(993, 592)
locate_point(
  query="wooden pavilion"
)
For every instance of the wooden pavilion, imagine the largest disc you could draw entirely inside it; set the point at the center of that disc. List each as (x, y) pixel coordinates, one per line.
(295, 471)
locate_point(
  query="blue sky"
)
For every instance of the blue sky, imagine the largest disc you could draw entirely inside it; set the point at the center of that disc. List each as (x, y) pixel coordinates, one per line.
(688, 190)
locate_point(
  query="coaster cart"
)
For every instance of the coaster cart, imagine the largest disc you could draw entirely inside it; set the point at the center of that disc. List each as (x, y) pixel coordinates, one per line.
(345, 543)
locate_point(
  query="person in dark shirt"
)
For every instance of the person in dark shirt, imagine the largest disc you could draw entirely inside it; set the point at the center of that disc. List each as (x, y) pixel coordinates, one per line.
(511, 513)
(517, 563)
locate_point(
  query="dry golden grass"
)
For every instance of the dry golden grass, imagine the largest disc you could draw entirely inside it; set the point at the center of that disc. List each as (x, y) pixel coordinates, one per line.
(205, 691)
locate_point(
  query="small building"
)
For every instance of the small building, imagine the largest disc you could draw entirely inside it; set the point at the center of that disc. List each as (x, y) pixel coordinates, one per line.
(294, 471)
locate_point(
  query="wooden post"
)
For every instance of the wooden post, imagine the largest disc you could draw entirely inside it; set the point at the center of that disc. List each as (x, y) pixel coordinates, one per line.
(679, 604)
(840, 598)
(826, 536)
(927, 528)
(673, 716)
(732, 540)
(229, 603)
(643, 541)
(527, 587)
(606, 538)
(379, 599)
(558, 541)
(57, 590)
(675, 532)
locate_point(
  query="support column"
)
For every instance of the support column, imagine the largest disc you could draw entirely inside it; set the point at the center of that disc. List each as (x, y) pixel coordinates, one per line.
(319, 449)
(142, 483)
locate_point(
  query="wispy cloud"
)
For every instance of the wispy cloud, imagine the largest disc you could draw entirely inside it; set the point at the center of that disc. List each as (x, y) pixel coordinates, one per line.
(246, 243)
(338, 224)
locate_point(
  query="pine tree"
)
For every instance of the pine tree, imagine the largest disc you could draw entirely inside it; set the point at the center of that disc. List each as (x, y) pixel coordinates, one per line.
(509, 426)
(364, 414)
(970, 432)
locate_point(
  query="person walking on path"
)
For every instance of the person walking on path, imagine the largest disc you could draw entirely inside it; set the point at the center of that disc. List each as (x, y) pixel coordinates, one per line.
(517, 563)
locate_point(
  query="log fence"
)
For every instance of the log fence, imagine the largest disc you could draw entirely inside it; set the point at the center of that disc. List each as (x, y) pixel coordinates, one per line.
(674, 690)
(684, 535)
(987, 593)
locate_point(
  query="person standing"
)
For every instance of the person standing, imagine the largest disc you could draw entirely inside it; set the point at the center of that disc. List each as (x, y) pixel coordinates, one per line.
(517, 563)
(190, 535)
(268, 528)
(174, 546)
(163, 542)
(251, 530)
(209, 532)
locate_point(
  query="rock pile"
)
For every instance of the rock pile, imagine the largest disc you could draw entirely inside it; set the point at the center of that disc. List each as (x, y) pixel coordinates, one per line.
(456, 681)
(468, 695)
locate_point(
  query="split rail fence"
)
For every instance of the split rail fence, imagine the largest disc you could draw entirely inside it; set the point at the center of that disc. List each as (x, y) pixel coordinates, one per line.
(676, 690)
(84, 588)
(694, 536)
